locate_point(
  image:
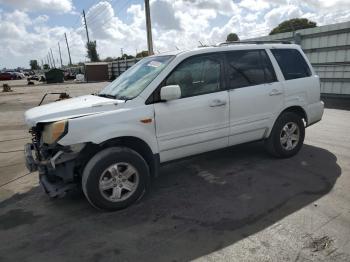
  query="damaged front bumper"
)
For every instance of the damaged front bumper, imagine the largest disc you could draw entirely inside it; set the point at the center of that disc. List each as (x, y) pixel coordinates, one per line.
(56, 173)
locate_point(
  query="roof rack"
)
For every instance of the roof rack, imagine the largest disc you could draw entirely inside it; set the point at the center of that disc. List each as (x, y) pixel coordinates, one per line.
(254, 42)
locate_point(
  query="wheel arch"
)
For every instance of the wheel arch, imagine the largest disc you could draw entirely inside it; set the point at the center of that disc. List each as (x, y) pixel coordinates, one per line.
(134, 143)
(297, 109)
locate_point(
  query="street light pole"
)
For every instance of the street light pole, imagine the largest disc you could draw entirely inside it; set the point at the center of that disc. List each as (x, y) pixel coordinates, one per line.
(86, 28)
(53, 59)
(70, 60)
(59, 49)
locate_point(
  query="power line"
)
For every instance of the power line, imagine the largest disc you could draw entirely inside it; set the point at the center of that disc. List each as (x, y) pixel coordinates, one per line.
(95, 18)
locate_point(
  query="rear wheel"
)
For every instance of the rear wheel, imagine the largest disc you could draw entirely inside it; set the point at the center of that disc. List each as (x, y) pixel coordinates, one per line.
(287, 136)
(115, 178)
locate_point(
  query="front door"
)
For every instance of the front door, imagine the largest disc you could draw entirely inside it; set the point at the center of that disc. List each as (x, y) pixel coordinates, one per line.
(255, 94)
(199, 120)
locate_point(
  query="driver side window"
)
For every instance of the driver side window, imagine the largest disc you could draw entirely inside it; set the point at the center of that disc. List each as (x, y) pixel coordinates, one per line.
(197, 76)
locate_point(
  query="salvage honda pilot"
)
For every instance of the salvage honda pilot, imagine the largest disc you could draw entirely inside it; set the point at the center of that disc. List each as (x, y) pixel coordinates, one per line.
(170, 106)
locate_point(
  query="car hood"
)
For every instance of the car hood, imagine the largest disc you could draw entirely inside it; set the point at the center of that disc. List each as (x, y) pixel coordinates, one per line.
(71, 108)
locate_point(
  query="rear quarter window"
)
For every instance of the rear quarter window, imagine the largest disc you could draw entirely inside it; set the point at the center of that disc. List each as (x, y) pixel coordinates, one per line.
(292, 63)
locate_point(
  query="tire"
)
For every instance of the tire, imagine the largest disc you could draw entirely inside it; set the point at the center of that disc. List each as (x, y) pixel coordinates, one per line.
(109, 169)
(277, 144)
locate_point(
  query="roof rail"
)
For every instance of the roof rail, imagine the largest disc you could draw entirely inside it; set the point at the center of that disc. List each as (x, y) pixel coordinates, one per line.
(254, 42)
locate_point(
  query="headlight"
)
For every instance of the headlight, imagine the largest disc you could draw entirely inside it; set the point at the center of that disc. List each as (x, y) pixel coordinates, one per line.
(54, 131)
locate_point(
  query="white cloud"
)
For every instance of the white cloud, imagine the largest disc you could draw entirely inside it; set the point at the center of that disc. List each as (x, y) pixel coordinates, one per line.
(41, 19)
(40, 5)
(255, 5)
(333, 4)
(225, 7)
(112, 34)
(19, 44)
(163, 15)
(279, 14)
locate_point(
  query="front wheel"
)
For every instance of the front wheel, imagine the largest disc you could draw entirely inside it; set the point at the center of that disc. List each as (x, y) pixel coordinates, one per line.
(115, 178)
(287, 136)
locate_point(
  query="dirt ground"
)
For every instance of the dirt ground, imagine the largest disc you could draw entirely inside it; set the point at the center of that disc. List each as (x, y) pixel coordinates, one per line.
(236, 204)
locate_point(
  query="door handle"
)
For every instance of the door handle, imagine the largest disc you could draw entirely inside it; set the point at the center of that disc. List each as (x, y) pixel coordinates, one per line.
(275, 92)
(217, 102)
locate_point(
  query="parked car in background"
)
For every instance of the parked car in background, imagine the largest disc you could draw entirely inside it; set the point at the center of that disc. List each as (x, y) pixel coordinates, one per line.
(19, 75)
(7, 76)
(170, 106)
(69, 76)
(33, 77)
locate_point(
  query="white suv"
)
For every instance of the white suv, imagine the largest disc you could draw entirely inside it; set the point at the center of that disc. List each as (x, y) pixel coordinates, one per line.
(170, 106)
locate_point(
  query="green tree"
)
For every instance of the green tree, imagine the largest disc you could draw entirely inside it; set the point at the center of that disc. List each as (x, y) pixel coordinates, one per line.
(127, 56)
(143, 53)
(231, 37)
(293, 25)
(46, 66)
(34, 65)
(92, 52)
(109, 59)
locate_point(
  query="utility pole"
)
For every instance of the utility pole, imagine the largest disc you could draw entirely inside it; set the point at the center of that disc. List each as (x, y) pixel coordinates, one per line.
(121, 52)
(293, 28)
(49, 59)
(149, 29)
(59, 49)
(87, 32)
(53, 59)
(70, 60)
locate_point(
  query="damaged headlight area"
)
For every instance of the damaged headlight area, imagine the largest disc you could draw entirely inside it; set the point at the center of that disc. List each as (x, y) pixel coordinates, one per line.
(54, 131)
(56, 164)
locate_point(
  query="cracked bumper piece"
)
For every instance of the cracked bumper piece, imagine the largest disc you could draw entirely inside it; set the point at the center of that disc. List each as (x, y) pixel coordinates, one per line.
(54, 189)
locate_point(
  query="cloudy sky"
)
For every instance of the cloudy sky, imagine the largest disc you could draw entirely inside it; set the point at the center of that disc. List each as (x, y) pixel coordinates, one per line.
(28, 29)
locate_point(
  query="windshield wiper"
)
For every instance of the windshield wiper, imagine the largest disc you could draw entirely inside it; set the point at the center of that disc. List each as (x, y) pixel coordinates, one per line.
(115, 97)
(123, 98)
(107, 96)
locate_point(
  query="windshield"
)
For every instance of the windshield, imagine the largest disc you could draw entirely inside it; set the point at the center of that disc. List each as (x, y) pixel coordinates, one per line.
(133, 81)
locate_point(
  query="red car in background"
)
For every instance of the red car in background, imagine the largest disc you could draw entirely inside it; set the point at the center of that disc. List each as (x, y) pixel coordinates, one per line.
(7, 76)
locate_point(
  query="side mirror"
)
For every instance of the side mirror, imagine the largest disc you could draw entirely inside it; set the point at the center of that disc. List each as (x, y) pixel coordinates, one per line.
(170, 92)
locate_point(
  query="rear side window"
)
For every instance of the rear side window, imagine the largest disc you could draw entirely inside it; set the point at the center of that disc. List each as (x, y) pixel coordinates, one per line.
(249, 68)
(292, 63)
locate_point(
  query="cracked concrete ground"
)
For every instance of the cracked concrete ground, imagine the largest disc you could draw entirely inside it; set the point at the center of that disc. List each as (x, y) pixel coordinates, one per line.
(236, 204)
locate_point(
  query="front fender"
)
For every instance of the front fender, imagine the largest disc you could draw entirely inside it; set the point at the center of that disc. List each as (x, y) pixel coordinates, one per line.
(109, 125)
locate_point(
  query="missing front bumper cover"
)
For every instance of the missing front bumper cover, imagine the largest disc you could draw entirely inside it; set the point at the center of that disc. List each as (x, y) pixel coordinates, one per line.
(56, 174)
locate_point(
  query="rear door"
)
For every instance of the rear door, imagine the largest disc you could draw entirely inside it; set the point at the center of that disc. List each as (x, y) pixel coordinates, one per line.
(255, 94)
(198, 121)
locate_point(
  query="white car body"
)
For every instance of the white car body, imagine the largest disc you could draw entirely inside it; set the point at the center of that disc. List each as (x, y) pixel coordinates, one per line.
(176, 133)
(192, 125)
